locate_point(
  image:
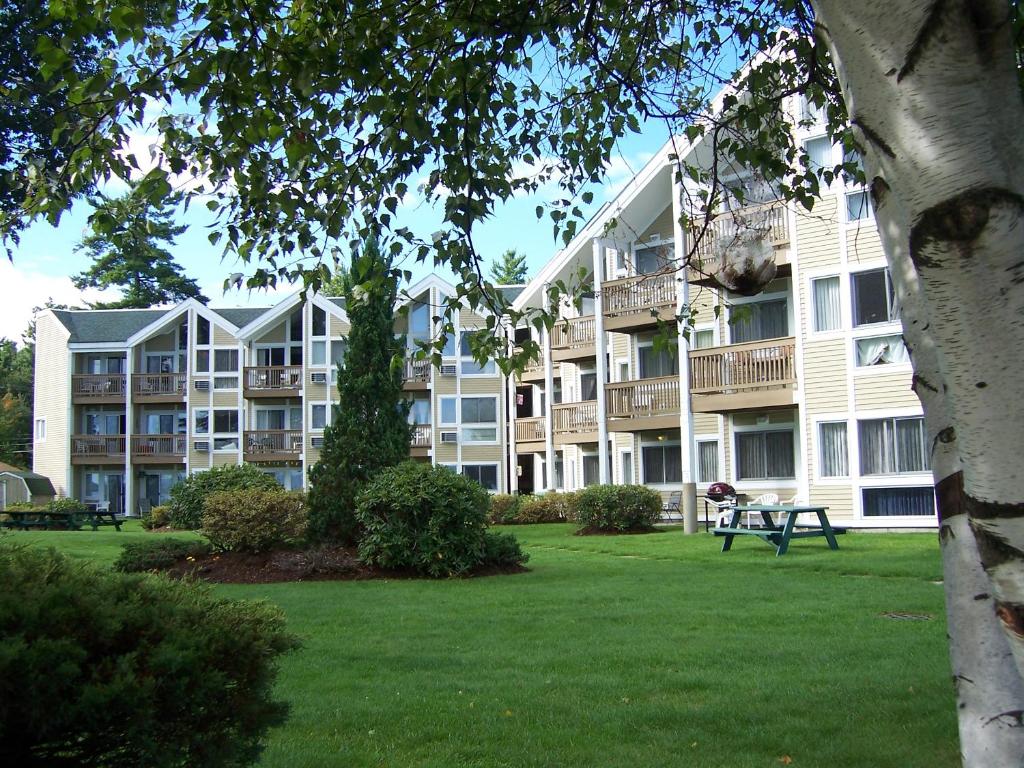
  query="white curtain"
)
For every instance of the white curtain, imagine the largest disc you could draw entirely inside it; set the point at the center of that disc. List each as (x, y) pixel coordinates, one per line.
(827, 312)
(832, 449)
(888, 446)
(707, 461)
(764, 320)
(881, 350)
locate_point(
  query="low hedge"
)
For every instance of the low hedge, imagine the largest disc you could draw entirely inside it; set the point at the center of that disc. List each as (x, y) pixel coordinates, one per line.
(255, 520)
(157, 554)
(550, 507)
(158, 517)
(503, 509)
(617, 508)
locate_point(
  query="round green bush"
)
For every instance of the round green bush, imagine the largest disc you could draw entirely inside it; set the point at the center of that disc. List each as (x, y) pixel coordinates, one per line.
(617, 508)
(502, 550)
(187, 497)
(99, 668)
(550, 507)
(157, 554)
(255, 520)
(503, 509)
(423, 518)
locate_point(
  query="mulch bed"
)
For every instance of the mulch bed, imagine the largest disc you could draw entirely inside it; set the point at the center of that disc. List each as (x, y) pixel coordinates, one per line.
(591, 531)
(325, 563)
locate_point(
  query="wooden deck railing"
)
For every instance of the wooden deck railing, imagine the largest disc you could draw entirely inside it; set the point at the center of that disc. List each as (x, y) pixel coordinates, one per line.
(271, 377)
(573, 332)
(84, 385)
(644, 397)
(421, 436)
(739, 367)
(530, 430)
(771, 219)
(575, 417)
(159, 445)
(97, 446)
(642, 293)
(417, 370)
(158, 384)
(273, 441)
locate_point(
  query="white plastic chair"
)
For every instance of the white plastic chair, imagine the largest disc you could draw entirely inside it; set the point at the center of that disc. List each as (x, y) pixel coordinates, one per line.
(723, 511)
(767, 499)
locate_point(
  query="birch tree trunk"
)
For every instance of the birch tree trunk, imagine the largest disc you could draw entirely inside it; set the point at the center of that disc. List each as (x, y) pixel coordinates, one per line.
(931, 87)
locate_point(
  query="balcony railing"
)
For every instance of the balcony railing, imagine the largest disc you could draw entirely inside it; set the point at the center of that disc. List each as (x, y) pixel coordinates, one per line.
(575, 417)
(531, 430)
(270, 378)
(421, 436)
(158, 384)
(417, 370)
(97, 446)
(273, 442)
(97, 385)
(642, 293)
(743, 367)
(573, 333)
(645, 397)
(769, 219)
(171, 446)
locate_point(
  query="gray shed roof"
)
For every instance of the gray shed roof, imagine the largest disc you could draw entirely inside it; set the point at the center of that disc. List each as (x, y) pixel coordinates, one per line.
(38, 485)
(105, 325)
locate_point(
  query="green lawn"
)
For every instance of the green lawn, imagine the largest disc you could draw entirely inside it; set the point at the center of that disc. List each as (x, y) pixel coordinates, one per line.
(628, 651)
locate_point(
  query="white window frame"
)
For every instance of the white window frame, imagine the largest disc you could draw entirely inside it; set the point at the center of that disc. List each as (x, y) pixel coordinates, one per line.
(708, 438)
(214, 435)
(754, 484)
(762, 298)
(844, 310)
(497, 472)
(677, 444)
(226, 374)
(623, 479)
(462, 358)
(716, 340)
(479, 424)
(440, 408)
(195, 420)
(851, 448)
(327, 415)
(39, 432)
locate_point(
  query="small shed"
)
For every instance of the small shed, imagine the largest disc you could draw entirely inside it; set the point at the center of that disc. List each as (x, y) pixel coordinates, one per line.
(18, 485)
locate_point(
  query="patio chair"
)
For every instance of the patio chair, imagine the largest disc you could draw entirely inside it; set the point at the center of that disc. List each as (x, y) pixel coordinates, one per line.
(767, 499)
(723, 512)
(671, 509)
(145, 507)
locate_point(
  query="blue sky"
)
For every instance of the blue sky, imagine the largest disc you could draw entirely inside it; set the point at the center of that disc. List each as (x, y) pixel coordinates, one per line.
(45, 259)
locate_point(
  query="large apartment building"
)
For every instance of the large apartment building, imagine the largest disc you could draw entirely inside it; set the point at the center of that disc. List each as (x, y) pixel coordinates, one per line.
(803, 391)
(128, 402)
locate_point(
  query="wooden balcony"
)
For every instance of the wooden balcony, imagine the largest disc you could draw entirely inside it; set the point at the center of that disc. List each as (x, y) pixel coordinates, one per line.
(533, 370)
(635, 303)
(159, 387)
(97, 449)
(422, 440)
(573, 338)
(416, 374)
(531, 433)
(97, 388)
(273, 381)
(643, 404)
(575, 422)
(770, 220)
(159, 449)
(273, 445)
(757, 374)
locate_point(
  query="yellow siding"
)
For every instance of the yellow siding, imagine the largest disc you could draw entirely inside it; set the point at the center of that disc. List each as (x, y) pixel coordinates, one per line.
(225, 459)
(703, 299)
(337, 326)
(167, 342)
(838, 499)
(198, 459)
(663, 226)
(275, 335)
(312, 456)
(52, 398)
(318, 393)
(223, 399)
(884, 390)
(817, 234)
(222, 337)
(863, 244)
(481, 453)
(198, 398)
(705, 424)
(447, 453)
(469, 320)
(489, 385)
(824, 375)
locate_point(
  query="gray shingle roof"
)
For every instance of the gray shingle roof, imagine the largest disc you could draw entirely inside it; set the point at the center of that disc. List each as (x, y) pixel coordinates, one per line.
(240, 316)
(511, 292)
(100, 325)
(38, 485)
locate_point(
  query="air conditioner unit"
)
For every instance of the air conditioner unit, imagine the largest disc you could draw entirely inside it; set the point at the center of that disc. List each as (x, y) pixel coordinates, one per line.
(317, 442)
(203, 384)
(201, 445)
(318, 378)
(449, 437)
(448, 370)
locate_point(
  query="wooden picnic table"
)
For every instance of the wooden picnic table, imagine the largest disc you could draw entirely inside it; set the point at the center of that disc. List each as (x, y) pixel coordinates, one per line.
(776, 534)
(26, 519)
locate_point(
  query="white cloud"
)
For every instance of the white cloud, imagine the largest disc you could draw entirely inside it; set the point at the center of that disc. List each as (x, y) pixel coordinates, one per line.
(22, 289)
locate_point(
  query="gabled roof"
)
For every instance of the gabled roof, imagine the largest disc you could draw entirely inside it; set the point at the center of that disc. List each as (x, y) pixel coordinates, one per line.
(240, 316)
(37, 485)
(105, 325)
(511, 292)
(430, 281)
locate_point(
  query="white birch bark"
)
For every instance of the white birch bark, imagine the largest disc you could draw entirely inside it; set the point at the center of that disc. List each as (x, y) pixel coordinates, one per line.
(932, 89)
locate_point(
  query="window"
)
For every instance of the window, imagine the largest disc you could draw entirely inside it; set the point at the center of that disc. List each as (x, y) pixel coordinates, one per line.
(559, 471)
(765, 455)
(485, 474)
(858, 206)
(761, 320)
(202, 331)
(279, 418)
(318, 416)
(102, 423)
(471, 367)
(183, 336)
(833, 459)
(318, 351)
(591, 469)
(319, 322)
(811, 112)
(295, 325)
(40, 430)
(881, 350)
(339, 347)
(164, 424)
(652, 259)
(707, 461)
(899, 502)
(290, 479)
(202, 361)
(662, 464)
(419, 325)
(225, 421)
(265, 356)
(588, 386)
(202, 422)
(419, 412)
(874, 300)
(227, 360)
(160, 363)
(703, 339)
(627, 468)
(827, 314)
(481, 411)
(893, 446)
(656, 364)
(819, 154)
(448, 410)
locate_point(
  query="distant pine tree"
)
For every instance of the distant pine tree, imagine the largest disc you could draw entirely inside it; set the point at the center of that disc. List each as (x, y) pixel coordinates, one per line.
(510, 268)
(369, 429)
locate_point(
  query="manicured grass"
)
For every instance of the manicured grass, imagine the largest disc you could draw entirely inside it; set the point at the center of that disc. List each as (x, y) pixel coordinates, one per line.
(628, 651)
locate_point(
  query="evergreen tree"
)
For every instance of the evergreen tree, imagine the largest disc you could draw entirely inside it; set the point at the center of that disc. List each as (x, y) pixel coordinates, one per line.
(125, 242)
(510, 268)
(369, 429)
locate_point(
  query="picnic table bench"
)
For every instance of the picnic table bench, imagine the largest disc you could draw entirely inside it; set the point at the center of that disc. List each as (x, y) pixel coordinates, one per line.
(776, 534)
(28, 519)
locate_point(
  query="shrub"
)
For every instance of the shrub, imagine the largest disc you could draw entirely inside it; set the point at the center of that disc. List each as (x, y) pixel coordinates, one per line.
(503, 509)
(158, 517)
(157, 554)
(187, 497)
(547, 508)
(502, 550)
(617, 507)
(24, 506)
(425, 518)
(121, 670)
(254, 520)
(74, 506)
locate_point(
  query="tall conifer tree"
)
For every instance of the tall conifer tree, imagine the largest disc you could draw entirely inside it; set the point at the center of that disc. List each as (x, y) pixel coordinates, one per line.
(369, 429)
